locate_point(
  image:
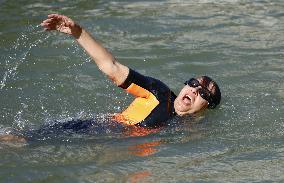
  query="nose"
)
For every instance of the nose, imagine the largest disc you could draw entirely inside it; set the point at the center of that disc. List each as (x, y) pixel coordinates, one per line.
(195, 90)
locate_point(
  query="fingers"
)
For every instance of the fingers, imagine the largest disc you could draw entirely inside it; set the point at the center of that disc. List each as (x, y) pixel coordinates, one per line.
(69, 23)
(59, 17)
(55, 19)
(52, 22)
(53, 15)
(61, 23)
(48, 20)
(49, 24)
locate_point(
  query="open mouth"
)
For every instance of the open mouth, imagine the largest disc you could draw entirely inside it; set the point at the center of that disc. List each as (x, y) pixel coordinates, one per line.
(187, 99)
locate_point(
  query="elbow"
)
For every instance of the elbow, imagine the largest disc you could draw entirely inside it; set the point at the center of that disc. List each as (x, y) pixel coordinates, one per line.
(115, 71)
(109, 69)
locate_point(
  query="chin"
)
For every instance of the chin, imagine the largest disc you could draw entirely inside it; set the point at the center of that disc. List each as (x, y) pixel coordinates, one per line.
(184, 113)
(181, 112)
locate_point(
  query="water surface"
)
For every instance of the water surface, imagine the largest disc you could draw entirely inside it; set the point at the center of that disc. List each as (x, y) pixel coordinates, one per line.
(46, 77)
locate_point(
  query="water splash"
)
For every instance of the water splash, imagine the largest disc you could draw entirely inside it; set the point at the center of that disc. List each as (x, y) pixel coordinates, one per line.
(19, 52)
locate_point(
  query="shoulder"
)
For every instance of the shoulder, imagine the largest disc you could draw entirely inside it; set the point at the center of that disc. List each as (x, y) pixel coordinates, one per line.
(150, 83)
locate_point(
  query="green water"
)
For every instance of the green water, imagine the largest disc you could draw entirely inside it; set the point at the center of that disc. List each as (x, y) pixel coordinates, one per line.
(46, 77)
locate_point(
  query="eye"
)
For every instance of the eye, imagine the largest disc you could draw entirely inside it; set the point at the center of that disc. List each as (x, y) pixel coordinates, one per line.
(204, 93)
(196, 84)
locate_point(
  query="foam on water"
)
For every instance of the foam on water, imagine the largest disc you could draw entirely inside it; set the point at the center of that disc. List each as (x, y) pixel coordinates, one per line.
(239, 43)
(18, 56)
(21, 48)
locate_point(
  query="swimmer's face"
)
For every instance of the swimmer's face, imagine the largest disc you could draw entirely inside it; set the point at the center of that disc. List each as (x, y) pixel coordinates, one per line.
(189, 100)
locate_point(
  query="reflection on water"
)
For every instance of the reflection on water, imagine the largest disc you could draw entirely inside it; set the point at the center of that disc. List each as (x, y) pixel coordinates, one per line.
(138, 176)
(46, 77)
(144, 149)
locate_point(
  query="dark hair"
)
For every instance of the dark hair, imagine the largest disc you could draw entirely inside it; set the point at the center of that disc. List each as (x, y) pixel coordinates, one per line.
(214, 89)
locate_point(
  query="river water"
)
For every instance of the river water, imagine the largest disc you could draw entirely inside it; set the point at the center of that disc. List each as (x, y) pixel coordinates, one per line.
(45, 77)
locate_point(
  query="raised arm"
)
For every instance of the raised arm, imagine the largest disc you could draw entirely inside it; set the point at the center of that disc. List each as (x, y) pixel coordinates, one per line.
(102, 57)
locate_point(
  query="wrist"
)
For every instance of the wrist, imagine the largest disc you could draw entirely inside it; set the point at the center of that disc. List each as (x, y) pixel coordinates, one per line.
(76, 31)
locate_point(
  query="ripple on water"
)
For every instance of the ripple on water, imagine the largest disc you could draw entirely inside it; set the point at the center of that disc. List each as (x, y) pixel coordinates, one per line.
(239, 43)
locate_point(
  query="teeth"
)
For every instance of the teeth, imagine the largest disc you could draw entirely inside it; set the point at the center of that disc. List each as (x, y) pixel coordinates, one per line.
(188, 96)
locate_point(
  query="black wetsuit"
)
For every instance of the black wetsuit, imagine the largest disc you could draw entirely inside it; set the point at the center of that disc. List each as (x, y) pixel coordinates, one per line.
(162, 112)
(147, 89)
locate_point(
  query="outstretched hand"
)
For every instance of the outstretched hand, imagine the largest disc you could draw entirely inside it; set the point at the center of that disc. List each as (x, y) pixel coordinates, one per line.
(63, 24)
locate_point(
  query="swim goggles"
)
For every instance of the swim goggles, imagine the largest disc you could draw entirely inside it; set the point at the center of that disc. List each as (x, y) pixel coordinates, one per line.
(203, 92)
